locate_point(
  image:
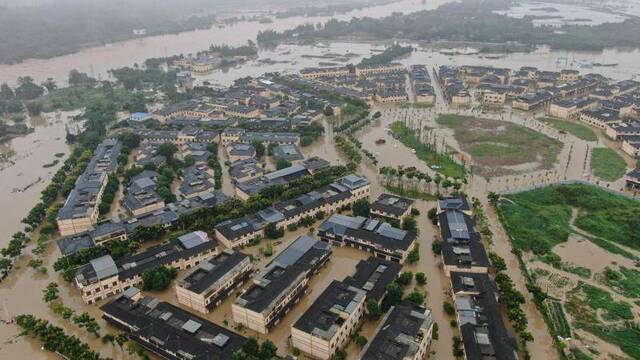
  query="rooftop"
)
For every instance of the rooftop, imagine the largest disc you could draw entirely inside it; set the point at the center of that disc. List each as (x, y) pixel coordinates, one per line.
(373, 275)
(284, 272)
(209, 273)
(324, 318)
(392, 204)
(400, 333)
(173, 330)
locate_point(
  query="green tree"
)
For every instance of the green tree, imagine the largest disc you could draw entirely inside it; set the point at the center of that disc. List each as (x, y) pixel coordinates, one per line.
(421, 278)
(283, 164)
(410, 224)
(50, 293)
(405, 278)
(260, 149)
(448, 308)
(167, 149)
(393, 297)
(373, 309)
(436, 247)
(158, 279)
(414, 255)
(360, 340)
(361, 208)
(271, 231)
(416, 297)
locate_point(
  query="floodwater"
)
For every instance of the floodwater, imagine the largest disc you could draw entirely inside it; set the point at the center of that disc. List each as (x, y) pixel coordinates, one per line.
(22, 175)
(553, 14)
(96, 61)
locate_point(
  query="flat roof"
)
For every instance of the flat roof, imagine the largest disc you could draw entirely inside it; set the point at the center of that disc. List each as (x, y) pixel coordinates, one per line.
(173, 330)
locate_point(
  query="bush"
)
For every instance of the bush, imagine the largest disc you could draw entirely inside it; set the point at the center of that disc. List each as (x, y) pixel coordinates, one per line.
(421, 278)
(361, 208)
(360, 340)
(158, 279)
(448, 308)
(416, 297)
(405, 278)
(414, 255)
(436, 247)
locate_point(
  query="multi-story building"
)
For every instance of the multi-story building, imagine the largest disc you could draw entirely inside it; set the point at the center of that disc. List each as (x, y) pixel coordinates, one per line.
(208, 284)
(280, 285)
(533, 100)
(462, 249)
(141, 197)
(103, 277)
(484, 335)
(80, 210)
(600, 118)
(314, 73)
(619, 131)
(367, 70)
(570, 108)
(373, 275)
(455, 203)
(391, 207)
(327, 324)
(238, 152)
(170, 332)
(631, 145)
(371, 235)
(328, 199)
(632, 180)
(404, 333)
(279, 177)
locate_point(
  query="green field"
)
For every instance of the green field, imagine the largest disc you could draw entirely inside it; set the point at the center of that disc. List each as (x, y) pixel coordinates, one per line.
(558, 320)
(607, 164)
(496, 145)
(539, 219)
(444, 164)
(578, 130)
(586, 301)
(626, 281)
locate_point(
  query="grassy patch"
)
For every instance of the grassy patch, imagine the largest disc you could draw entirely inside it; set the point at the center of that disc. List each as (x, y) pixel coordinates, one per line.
(498, 145)
(445, 164)
(607, 164)
(539, 219)
(611, 247)
(410, 193)
(557, 318)
(580, 355)
(626, 281)
(584, 303)
(598, 299)
(578, 130)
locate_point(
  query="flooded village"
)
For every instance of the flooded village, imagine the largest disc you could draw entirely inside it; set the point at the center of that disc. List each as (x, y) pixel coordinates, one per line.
(333, 200)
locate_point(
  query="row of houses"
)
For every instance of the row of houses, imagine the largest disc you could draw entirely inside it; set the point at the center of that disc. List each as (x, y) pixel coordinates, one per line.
(421, 84)
(455, 91)
(165, 217)
(249, 98)
(80, 210)
(483, 332)
(345, 191)
(383, 83)
(105, 276)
